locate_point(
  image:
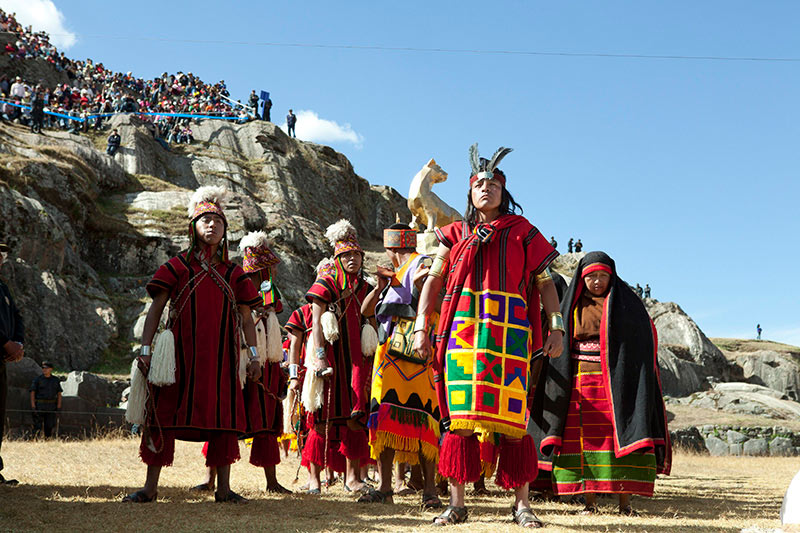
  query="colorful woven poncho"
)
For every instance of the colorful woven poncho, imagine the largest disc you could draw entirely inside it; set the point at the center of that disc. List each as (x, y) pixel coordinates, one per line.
(490, 327)
(404, 410)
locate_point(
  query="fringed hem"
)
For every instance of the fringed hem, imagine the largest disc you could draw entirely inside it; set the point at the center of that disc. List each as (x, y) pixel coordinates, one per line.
(517, 463)
(166, 443)
(265, 450)
(486, 427)
(407, 449)
(460, 458)
(223, 450)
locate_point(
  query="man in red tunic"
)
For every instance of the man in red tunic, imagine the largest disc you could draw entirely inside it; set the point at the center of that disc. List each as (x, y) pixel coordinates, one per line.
(210, 300)
(344, 411)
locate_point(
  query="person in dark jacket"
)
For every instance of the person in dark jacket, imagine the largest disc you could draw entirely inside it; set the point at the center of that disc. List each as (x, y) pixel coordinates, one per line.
(267, 108)
(37, 112)
(291, 120)
(12, 335)
(45, 392)
(253, 101)
(114, 140)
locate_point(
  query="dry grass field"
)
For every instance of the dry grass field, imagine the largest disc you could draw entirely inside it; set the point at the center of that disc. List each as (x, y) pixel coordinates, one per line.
(77, 486)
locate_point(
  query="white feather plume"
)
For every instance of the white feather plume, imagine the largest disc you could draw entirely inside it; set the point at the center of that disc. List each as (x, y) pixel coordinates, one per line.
(339, 230)
(209, 193)
(254, 239)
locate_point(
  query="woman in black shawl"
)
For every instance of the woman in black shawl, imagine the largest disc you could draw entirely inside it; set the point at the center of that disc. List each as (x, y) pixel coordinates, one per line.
(603, 420)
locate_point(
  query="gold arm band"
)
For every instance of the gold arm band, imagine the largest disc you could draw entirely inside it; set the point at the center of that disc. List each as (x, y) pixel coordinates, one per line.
(543, 277)
(422, 323)
(556, 322)
(437, 268)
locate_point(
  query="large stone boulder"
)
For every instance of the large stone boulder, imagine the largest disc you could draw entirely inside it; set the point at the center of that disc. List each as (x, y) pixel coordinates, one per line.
(676, 328)
(679, 376)
(776, 370)
(745, 398)
(23, 372)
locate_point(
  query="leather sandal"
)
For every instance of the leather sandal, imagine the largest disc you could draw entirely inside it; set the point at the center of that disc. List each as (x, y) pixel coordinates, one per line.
(371, 495)
(452, 515)
(628, 511)
(9, 482)
(431, 501)
(278, 489)
(231, 497)
(589, 509)
(140, 496)
(202, 487)
(526, 518)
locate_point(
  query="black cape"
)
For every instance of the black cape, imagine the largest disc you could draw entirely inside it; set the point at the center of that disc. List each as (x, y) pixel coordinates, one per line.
(628, 346)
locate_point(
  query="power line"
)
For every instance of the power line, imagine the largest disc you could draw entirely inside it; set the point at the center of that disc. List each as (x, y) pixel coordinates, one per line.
(445, 50)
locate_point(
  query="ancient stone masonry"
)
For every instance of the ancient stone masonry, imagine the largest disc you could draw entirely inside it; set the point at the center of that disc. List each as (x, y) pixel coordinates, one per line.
(730, 440)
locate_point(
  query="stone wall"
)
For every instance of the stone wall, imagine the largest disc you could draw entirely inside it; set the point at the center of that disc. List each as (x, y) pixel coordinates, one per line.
(733, 440)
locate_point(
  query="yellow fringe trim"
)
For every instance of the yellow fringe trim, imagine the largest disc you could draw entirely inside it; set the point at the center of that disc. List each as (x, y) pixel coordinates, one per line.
(487, 427)
(408, 448)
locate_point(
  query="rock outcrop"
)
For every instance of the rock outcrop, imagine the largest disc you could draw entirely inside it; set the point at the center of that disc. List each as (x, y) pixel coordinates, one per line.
(88, 230)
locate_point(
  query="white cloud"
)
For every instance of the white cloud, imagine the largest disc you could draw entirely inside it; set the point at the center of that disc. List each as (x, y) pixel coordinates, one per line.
(319, 130)
(43, 15)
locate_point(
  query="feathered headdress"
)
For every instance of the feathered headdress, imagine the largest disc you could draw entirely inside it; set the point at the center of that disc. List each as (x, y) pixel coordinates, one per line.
(257, 255)
(485, 168)
(207, 199)
(343, 237)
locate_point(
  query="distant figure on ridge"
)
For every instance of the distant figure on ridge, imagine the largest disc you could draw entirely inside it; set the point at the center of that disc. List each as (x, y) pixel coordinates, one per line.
(578, 246)
(553, 242)
(267, 108)
(569, 245)
(291, 120)
(647, 290)
(639, 291)
(758, 330)
(114, 140)
(253, 101)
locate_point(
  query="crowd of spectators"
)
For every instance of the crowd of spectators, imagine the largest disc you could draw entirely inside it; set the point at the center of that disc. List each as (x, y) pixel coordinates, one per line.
(94, 89)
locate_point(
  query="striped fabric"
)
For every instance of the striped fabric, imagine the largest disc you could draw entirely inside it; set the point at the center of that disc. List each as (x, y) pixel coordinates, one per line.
(586, 461)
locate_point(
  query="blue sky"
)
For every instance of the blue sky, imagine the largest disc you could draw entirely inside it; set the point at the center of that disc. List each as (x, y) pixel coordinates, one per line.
(684, 171)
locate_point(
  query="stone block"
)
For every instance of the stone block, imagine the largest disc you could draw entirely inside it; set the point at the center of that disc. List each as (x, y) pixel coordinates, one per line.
(755, 447)
(735, 449)
(689, 439)
(716, 446)
(781, 446)
(735, 437)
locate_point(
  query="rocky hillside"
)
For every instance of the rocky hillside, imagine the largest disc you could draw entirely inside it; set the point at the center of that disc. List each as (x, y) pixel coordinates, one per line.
(88, 230)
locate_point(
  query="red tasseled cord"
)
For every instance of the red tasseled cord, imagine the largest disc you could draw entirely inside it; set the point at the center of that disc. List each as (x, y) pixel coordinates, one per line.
(517, 464)
(460, 458)
(488, 456)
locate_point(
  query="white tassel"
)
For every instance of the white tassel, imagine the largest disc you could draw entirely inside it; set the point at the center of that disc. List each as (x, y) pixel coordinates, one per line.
(262, 342)
(330, 326)
(244, 358)
(162, 364)
(137, 397)
(274, 344)
(313, 386)
(288, 413)
(369, 340)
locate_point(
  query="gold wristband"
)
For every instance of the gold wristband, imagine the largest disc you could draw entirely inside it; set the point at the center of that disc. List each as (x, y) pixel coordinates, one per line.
(437, 268)
(543, 277)
(556, 322)
(422, 323)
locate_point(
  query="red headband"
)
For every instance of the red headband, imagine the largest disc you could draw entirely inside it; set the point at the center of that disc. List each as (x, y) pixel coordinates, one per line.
(595, 267)
(485, 175)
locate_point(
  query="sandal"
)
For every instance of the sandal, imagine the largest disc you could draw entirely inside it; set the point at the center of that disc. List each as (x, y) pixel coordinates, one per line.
(589, 509)
(202, 487)
(278, 489)
(371, 495)
(9, 482)
(526, 518)
(231, 497)
(313, 491)
(140, 496)
(451, 516)
(628, 511)
(431, 501)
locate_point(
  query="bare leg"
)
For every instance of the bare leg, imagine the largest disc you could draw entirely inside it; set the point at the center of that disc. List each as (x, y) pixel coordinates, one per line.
(224, 479)
(429, 476)
(151, 482)
(416, 481)
(364, 472)
(400, 477)
(521, 500)
(313, 476)
(457, 494)
(591, 503)
(272, 481)
(385, 470)
(209, 480)
(625, 505)
(352, 472)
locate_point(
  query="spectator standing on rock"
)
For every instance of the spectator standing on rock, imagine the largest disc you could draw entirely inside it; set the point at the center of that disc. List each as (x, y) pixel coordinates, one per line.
(37, 111)
(12, 335)
(114, 141)
(291, 120)
(267, 108)
(45, 399)
(553, 242)
(254, 103)
(758, 331)
(639, 291)
(578, 246)
(647, 290)
(569, 245)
